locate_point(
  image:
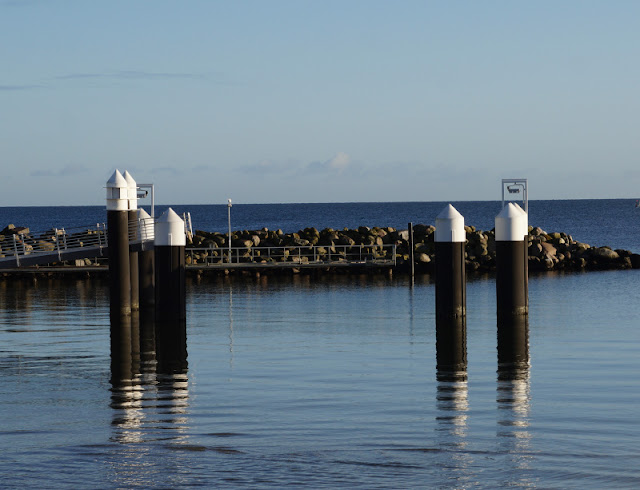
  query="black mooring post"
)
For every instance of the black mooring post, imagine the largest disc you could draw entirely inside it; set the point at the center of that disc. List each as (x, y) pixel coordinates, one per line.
(146, 262)
(170, 242)
(134, 263)
(451, 281)
(451, 330)
(132, 190)
(511, 261)
(118, 239)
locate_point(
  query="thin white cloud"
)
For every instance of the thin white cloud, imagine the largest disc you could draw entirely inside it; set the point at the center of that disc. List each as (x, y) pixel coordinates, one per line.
(338, 164)
(66, 171)
(11, 88)
(265, 167)
(133, 75)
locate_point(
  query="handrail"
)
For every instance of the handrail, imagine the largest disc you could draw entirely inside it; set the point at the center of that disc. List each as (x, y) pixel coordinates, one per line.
(56, 242)
(294, 254)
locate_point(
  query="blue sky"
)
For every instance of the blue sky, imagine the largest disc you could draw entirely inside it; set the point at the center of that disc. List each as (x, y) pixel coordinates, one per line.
(332, 101)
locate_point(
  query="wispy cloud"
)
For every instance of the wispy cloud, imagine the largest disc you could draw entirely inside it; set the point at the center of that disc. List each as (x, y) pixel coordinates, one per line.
(337, 164)
(269, 167)
(134, 75)
(168, 170)
(12, 88)
(66, 171)
(19, 3)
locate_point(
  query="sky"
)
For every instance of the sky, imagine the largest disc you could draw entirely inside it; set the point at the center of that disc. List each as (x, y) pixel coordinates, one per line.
(325, 101)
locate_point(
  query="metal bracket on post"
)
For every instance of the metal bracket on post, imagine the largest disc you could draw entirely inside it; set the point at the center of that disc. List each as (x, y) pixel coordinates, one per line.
(516, 187)
(145, 193)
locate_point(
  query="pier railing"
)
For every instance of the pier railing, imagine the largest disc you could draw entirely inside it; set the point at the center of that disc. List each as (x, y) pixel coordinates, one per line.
(293, 256)
(54, 245)
(62, 244)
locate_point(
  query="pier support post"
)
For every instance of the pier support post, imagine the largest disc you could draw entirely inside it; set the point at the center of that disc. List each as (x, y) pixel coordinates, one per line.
(451, 279)
(512, 293)
(170, 242)
(118, 239)
(132, 190)
(146, 262)
(451, 338)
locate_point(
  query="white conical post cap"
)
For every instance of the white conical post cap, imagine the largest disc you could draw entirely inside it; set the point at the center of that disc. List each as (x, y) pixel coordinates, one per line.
(450, 226)
(117, 192)
(169, 230)
(147, 226)
(511, 224)
(132, 189)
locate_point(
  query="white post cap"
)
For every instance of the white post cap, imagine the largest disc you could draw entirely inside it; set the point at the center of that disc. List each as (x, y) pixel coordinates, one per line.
(450, 226)
(117, 193)
(147, 226)
(132, 188)
(169, 230)
(511, 224)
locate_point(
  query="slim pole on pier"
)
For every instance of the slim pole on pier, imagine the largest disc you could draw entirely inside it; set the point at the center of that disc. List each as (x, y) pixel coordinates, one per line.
(451, 296)
(132, 190)
(512, 296)
(118, 238)
(170, 242)
(411, 252)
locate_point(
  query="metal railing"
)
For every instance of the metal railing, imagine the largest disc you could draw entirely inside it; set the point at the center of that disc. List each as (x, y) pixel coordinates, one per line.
(53, 243)
(141, 230)
(293, 255)
(56, 244)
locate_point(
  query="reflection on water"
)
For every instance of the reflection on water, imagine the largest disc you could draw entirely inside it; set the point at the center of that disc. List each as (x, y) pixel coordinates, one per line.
(149, 387)
(451, 348)
(332, 382)
(452, 398)
(513, 391)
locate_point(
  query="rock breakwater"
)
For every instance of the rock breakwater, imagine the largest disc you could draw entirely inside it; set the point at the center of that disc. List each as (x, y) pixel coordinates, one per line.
(546, 251)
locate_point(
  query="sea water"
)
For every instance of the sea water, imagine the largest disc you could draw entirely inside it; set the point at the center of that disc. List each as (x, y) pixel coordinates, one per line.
(323, 382)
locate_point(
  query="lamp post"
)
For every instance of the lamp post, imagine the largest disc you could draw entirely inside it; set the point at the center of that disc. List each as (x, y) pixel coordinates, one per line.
(229, 215)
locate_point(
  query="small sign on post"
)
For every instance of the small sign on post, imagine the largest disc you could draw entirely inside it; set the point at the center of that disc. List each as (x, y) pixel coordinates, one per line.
(515, 190)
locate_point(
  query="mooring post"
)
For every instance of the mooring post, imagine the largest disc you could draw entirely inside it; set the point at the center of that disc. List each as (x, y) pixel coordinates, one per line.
(512, 296)
(132, 191)
(170, 242)
(118, 239)
(146, 261)
(451, 296)
(450, 237)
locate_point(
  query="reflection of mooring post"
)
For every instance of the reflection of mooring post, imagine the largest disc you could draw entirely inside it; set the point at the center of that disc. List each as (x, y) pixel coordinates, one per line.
(513, 346)
(118, 238)
(132, 190)
(451, 340)
(170, 241)
(146, 262)
(512, 296)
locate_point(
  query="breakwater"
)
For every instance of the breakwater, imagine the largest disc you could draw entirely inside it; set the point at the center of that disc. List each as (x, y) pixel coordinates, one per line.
(546, 251)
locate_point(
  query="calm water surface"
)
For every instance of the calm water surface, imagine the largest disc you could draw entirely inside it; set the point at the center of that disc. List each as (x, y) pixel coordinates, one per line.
(325, 382)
